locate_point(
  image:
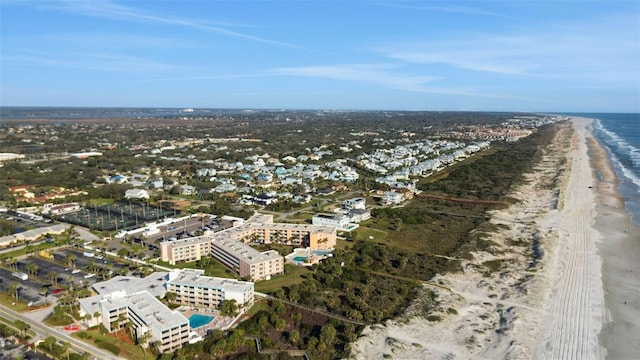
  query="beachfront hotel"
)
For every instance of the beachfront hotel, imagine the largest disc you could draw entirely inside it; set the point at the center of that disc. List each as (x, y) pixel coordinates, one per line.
(230, 246)
(194, 289)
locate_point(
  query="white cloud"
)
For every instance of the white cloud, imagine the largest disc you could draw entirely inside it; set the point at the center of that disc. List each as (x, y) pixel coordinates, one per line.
(372, 73)
(383, 75)
(455, 9)
(110, 10)
(85, 61)
(593, 51)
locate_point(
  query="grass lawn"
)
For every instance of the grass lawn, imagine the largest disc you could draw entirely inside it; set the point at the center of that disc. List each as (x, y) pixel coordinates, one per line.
(213, 269)
(12, 324)
(100, 201)
(292, 275)
(11, 303)
(218, 270)
(343, 244)
(259, 305)
(365, 233)
(127, 350)
(300, 218)
(31, 248)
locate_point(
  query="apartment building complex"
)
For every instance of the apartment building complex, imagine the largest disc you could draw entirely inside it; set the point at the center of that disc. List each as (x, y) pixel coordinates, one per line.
(230, 246)
(247, 261)
(195, 289)
(168, 329)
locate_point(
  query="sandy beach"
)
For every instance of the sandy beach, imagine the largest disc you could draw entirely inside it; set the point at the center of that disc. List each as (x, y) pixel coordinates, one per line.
(567, 285)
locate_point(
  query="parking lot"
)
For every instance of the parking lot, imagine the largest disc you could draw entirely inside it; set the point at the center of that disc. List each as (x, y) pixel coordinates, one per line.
(188, 228)
(64, 275)
(83, 261)
(177, 230)
(34, 289)
(29, 290)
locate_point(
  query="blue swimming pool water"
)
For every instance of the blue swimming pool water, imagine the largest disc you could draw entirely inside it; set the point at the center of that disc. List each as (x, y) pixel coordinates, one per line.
(299, 258)
(197, 320)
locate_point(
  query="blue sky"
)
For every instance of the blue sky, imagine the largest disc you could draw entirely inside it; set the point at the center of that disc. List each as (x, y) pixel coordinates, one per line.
(517, 55)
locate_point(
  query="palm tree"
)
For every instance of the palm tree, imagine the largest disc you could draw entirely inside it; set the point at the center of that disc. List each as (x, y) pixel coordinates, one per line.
(53, 278)
(13, 290)
(49, 341)
(87, 318)
(143, 341)
(121, 319)
(71, 260)
(130, 328)
(70, 283)
(32, 269)
(65, 348)
(91, 265)
(22, 326)
(11, 262)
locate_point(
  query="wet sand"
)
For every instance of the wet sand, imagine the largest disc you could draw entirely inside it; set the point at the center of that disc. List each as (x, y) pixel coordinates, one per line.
(619, 248)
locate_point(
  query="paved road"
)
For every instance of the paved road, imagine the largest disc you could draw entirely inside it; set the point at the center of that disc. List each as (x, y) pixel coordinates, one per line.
(43, 331)
(85, 234)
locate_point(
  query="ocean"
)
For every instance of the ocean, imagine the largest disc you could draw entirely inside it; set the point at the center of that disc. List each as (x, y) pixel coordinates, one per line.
(620, 134)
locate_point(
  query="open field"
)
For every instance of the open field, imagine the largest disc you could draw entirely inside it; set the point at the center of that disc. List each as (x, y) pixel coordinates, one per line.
(292, 275)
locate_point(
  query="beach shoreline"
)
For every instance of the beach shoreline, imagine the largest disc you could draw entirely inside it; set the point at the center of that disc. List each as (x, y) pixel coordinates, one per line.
(619, 249)
(570, 303)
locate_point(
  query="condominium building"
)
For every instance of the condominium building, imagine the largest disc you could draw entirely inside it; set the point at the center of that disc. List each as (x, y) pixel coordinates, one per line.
(191, 249)
(195, 289)
(168, 329)
(260, 228)
(247, 261)
(229, 246)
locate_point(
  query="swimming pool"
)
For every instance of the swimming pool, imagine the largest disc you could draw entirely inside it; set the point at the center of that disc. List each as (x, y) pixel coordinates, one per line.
(197, 320)
(322, 252)
(299, 258)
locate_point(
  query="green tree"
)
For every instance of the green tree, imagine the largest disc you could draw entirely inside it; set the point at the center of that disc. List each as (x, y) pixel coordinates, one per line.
(22, 327)
(70, 260)
(65, 349)
(144, 341)
(228, 308)
(53, 278)
(170, 296)
(294, 337)
(327, 335)
(13, 290)
(32, 269)
(49, 342)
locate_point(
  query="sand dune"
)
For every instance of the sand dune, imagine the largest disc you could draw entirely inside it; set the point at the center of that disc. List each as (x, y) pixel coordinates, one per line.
(557, 299)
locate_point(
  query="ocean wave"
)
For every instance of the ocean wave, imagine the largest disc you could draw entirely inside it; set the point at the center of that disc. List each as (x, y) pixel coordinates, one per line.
(626, 172)
(621, 145)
